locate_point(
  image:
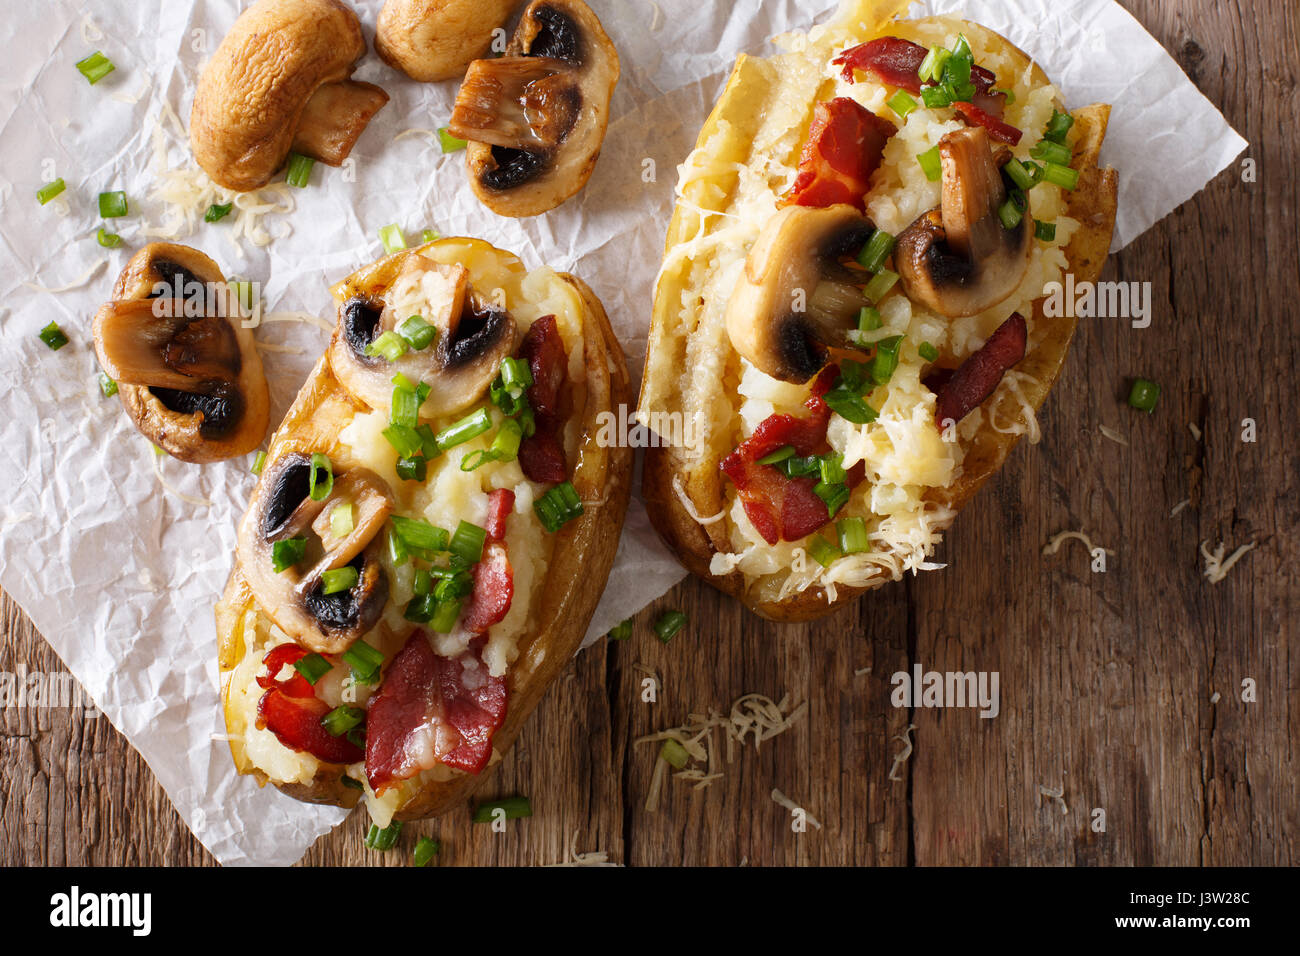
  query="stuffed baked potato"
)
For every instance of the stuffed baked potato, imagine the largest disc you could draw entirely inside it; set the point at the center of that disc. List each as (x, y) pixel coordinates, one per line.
(849, 321)
(430, 534)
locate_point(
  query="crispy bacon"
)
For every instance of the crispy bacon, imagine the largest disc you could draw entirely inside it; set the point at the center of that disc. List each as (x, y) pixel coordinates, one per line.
(978, 377)
(782, 508)
(845, 146)
(998, 130)
(897, 62)
(494, 590)
(432, 710)
(541, 455)
(291, 710)
(500, 503)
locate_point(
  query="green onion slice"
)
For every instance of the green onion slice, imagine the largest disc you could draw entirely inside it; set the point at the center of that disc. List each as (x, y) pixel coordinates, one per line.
(285, 554)
(95, 67)
(259, 463)
(389, 344)
(902, 103)
(320, 481)
(467, 543)
(668, 624)
(341, 520)
(50, 190)
(417, 332)
(885, 362)
(621, 631)
(392, 238)
(879, 286)
(112, 205)
(404, 439)
(674, 754)
(1059, 175)
(444, 616)
(298, 174)
(425, 851)
(342, 719)
(781, 454)
(1144, 394)
(107, 385)
(853, 535)
(413, 469)
(53, 336)
(339, 580)
(1058, 127)
(836, 496)
(1045, 231)
(218, 211)
(471, 426)
(1051, 152)
(558, 506)
(418, 536)
(927, 352)
(931, 164)
(365, 661)
(109, 240)
(377, 839)
(822, 551)
(876, 251)
(312, 667)
(449, 143)
(515, 808)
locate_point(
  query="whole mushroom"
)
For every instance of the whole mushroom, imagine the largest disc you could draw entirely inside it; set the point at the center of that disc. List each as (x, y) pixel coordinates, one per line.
(960, 259)
(432, 40)
(281, 81)
(535, 119)
(187, 372)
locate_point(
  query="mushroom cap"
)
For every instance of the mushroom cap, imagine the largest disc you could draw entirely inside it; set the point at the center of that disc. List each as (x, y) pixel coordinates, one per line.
(532, 180)
(473, 336)
(772, 316)
(223, 415)
(958, 259)
(431, 40)
(251, 97)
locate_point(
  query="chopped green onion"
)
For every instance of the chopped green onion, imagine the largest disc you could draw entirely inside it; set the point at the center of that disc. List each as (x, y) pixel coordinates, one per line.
(341, 522)
(668, 624)
(621, 631)
(342, 719)
(53, 336)
(902, 103)
(961, 48)
(218, 211)
(418, 536)
(879, 286)
(835, 496)
(515, 808)
(107, 385)
(931, 164)
(357, 737)
(1051, 152)
(428, 441)
(876, 251)
(781, 454)
(471, 426)
(1045, 231)
(467, 543)
(832, 469)
(449, 143)
(285, 554)
(350, 783)
(312, 667)
(50, 190)
(869, 319)
(927, 352)
(397, 552)
(1144, 395)
(822, 551)
(674, 754)
(320, 481)
(1058, 127)
(112, 205)
(406, 407)
(95, 67)
(558, 506)
(109, 240)
(423, 583)
(936, 97)
(425, 851)
(419, 333)
(429, 235)
(420, 609)
(338, 580)
(885, 362)
(1010, 213)
(259, 463)
(505, 447)
(444, 616)
(850, 406)
(1062, 176)
(377, 839)
(853, 535)
(932, 66)
(404, 439)
(392, 238)
(414, 468)
(365, 662)
(1021, 176)
(299, 171)
(390, 345)
(800, 467)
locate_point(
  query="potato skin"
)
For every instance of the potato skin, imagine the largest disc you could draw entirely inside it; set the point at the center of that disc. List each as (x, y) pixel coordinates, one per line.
(584, 552)
(1093, 203)
(431, 40)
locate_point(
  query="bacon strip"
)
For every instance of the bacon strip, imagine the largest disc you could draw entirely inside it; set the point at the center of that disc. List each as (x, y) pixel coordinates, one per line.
(978, 377)
(291, 710)
(432, 710)
(845, 146)
(500, 503)
(897, 62)
(541, 455)
(494, 591)
(998, 130)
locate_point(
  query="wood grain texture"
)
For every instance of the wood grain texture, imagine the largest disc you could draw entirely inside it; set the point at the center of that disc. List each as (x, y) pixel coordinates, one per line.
(1106, 679)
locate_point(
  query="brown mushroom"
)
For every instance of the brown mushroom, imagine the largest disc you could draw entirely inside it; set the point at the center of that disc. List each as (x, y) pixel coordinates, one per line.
(432, 40)
(959, 259)
(794, 300)
(536, 118)
(283, 510)
(280, 80)
(472, 337)
(188, 372)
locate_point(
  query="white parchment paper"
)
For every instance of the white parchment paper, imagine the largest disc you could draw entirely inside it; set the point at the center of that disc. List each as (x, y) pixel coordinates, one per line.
(118, 571)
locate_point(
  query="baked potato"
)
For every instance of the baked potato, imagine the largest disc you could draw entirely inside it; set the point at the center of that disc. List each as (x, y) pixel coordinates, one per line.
(849, 325)
(430, 533)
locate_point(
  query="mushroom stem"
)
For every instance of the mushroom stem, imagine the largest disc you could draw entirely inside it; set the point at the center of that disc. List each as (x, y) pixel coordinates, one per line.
(150, 342)
(334, 118)
(973, 192)
(528, 102)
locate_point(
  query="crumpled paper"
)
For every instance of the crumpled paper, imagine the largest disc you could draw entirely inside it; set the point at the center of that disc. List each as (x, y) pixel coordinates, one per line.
(118, 571)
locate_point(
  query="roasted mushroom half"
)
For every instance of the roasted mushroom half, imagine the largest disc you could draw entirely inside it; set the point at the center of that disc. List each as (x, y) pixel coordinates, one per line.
(288, 541)
(960, 259)
(432, 40)
(535, 118)
(471, 337)
(280, 80)
(188, 372)
(795, 300)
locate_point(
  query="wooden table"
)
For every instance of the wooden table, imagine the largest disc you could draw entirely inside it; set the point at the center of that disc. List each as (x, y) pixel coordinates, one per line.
(1108, 680)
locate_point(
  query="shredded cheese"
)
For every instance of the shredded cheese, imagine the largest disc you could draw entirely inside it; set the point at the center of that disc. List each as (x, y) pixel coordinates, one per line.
(1061, 537)
(573, 858)
(1053, 793)
(900, 758)
(782, 800)
(1216, 567)
(1174, 512)
(74, 284)
(861, 670)
(679, 488)
(156, 461)
(1113, 435)
(1195, 430)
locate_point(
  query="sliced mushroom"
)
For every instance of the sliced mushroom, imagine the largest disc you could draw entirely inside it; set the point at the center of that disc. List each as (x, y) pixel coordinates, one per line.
(188, 372)
(795, 301)
(535, 129)
(283, 509)
(432, 40)
(473, 336)
(280, 80)
(959, 259)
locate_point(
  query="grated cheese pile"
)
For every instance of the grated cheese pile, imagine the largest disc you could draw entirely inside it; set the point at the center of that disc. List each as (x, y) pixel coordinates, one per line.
(1216, 566)
(900, 758)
